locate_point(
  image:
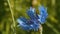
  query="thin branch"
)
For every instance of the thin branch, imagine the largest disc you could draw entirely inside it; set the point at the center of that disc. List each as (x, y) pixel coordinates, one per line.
(12, 14)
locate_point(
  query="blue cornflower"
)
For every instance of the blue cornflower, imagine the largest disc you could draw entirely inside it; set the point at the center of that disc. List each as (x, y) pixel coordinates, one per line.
(35, 19)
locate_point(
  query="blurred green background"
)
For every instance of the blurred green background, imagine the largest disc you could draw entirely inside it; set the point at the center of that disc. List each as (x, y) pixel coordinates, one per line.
(10, 10)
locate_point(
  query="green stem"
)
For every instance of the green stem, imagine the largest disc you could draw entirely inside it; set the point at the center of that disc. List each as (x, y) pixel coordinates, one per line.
(12, 13)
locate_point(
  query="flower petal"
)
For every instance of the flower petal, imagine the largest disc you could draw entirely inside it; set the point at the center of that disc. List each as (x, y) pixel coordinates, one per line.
(43, 14)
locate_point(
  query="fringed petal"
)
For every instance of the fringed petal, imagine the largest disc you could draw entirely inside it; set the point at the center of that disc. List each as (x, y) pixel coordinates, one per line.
(43, 14)
(31, 15)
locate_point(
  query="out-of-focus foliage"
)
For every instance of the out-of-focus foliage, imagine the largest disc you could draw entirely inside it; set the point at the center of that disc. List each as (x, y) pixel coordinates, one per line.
(19, 7)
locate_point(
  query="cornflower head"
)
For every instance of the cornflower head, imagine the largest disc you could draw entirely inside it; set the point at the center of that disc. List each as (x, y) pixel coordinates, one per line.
(35, 19)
